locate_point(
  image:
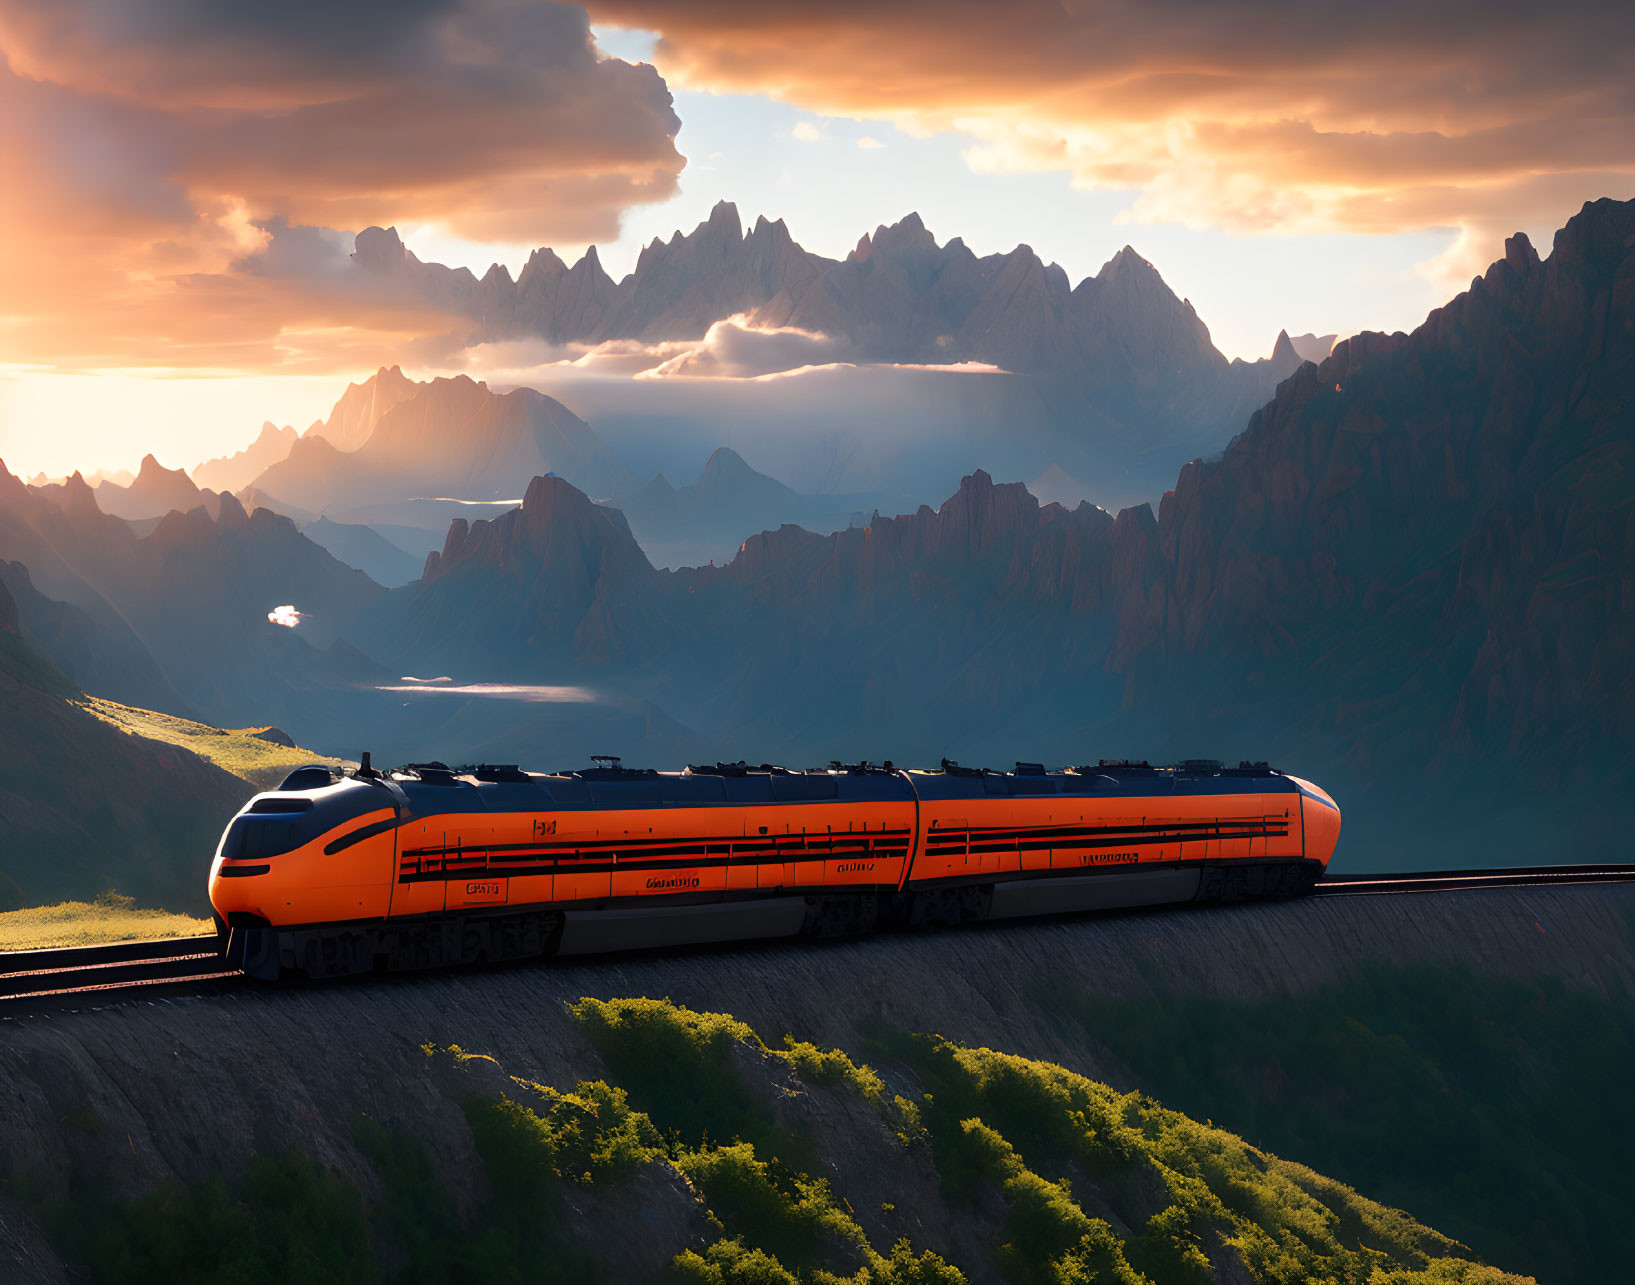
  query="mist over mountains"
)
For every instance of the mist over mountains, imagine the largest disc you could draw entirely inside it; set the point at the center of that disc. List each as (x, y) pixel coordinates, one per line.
(1114, 378)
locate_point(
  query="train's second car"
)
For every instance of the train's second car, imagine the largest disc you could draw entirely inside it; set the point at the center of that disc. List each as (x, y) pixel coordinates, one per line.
(425, 866)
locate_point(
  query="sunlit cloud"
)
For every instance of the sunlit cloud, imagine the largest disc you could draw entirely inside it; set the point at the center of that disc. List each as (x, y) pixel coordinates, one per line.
(1275, 116)
(190, 168)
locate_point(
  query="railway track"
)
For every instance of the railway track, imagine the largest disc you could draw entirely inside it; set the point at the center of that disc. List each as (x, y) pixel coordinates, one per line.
(84, 976)
(92, 972)
(1342, 885)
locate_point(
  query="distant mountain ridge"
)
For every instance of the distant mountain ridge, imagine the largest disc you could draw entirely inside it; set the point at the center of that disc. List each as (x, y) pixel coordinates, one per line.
(447, 437)
(236, 471)
(1120, 339)
(178, 617)
(706, 521)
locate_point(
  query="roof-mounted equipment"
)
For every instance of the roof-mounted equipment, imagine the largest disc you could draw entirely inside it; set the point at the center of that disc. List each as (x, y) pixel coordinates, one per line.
(1129, 767)
(1246, 768)
(497, 772)
(314, 776)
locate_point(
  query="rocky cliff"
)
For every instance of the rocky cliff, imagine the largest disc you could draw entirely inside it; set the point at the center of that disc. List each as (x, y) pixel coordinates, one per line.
(131, 1096)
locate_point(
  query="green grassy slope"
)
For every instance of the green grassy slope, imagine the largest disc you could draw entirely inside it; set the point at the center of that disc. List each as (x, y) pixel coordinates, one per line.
(84, 807)
(1497, 1109)
(726, 1160)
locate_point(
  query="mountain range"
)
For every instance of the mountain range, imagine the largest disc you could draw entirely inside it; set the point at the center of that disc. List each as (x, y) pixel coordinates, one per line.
(1411, 575)
(1124, 360)
(1113, 381)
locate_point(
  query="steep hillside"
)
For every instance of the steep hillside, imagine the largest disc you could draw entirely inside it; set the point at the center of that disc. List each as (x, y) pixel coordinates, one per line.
(953, 1089)
(85, 807)
(1420, 556)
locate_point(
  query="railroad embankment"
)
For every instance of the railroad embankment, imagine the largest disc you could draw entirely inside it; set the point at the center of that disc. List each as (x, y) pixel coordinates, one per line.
(1457, 1055)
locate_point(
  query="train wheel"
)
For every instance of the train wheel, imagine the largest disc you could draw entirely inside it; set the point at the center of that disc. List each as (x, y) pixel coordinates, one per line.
(846, 916)
(946, 907)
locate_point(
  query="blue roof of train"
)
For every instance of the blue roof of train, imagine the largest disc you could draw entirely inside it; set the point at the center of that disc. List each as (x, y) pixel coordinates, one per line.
(433, 789)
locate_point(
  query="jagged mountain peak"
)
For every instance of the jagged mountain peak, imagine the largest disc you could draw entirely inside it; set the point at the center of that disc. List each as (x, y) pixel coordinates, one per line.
(724, 218)
(908, 235)
(725, 460)
(1127, 265)
(543, 264)
(379, 249)
(1520, 254)
(152, 473)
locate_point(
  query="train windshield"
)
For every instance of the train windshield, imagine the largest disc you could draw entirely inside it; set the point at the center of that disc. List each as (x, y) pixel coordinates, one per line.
(275, 823)
(255, 835)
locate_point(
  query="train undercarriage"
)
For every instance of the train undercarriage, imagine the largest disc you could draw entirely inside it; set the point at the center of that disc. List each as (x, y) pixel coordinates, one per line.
(514, 934)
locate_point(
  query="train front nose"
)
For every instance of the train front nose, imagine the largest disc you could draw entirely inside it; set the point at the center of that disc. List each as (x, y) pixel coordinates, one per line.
(1321, 817)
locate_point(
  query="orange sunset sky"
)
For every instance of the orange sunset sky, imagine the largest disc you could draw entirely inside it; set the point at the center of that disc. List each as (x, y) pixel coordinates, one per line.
(182, 178)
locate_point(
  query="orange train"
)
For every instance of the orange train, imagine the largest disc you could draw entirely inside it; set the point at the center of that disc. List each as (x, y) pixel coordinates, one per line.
(426, 866)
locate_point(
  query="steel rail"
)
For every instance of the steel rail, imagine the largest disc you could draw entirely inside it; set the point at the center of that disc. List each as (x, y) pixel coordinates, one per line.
(1419, 881)
(117, 964)
(64, 977)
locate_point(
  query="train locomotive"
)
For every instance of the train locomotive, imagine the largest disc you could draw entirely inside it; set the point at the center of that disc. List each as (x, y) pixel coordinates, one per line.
(426, 866)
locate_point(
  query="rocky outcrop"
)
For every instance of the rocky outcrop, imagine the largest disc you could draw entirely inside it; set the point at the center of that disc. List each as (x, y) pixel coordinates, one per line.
(558, 578)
